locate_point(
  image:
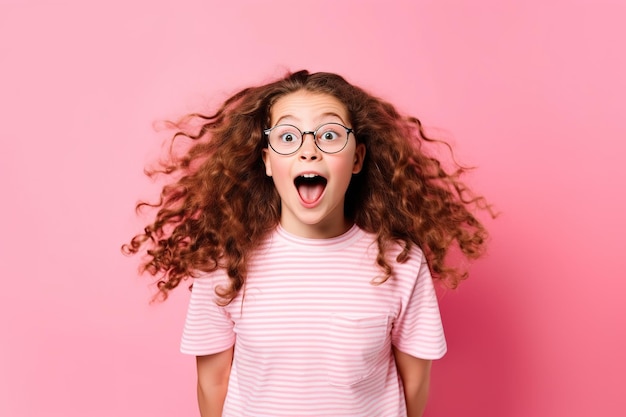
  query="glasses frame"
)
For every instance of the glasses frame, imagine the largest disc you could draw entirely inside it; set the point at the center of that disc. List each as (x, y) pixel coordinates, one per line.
(312, 132)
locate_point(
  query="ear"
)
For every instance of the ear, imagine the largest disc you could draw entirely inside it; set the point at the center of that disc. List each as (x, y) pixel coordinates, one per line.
(266, 161)
(359, 157)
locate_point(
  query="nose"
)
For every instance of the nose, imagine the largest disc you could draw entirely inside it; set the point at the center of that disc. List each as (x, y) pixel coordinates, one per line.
(309, 149)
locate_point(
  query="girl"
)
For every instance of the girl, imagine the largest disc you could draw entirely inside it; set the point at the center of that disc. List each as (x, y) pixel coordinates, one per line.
(312, 218)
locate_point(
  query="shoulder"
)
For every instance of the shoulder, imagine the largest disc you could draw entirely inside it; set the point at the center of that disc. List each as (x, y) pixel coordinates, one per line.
(411, 267)
(394, 247)
(205, 284)
(415, 259)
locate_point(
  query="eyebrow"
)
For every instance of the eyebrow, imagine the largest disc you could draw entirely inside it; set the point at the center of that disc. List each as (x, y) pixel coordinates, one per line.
(320, 117)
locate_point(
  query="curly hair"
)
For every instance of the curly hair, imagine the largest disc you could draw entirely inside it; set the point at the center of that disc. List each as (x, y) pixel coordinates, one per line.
(220, 204)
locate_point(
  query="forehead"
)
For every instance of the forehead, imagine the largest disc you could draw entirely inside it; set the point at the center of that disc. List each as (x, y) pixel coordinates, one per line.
(305, 106)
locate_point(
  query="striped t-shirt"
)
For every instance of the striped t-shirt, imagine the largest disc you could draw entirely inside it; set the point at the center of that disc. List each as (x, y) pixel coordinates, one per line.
(313, 336)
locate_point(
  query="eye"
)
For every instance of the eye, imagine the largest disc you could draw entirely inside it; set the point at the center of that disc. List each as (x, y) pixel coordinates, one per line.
(328, 135)
(288, 137)
(285, 134)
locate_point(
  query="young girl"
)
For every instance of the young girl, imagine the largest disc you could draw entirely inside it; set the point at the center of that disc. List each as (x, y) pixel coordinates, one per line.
(311, 218)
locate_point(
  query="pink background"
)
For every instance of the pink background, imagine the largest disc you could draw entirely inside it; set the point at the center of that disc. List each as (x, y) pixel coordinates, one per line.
(531, 92)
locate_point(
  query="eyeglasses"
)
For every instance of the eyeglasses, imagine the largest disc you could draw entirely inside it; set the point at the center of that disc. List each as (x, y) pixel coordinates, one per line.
(287, 139)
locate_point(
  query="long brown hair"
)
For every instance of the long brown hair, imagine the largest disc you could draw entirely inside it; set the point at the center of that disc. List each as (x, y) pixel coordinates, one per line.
(220, 204)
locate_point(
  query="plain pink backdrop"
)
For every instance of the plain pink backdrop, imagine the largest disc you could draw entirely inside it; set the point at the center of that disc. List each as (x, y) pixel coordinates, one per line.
(531, 92)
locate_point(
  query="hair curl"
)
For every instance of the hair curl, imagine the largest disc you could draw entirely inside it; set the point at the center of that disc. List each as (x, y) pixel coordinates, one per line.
(402, 195)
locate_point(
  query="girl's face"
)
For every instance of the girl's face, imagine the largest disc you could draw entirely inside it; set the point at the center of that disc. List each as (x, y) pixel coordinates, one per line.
(312, 184)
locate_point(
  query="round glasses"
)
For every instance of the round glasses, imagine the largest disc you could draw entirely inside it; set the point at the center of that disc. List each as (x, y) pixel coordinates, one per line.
(287, 139)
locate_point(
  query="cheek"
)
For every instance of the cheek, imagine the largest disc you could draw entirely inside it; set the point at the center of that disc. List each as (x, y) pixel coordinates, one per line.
(279, 171)
(344, 168)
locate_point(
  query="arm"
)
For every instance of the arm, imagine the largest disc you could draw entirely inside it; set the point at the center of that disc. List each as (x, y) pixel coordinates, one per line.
(213, 374)
(415, 375)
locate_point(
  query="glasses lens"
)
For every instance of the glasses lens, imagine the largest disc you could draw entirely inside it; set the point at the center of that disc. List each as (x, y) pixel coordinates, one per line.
(331, 137)
(285, 139)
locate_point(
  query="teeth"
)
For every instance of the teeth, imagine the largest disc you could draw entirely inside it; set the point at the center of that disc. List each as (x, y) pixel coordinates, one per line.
(309, 175)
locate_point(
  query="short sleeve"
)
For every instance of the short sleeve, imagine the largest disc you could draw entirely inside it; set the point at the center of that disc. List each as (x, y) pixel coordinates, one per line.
(418, 330)
(208, 327)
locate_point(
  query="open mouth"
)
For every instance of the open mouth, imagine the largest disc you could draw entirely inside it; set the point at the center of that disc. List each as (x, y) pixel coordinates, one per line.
(310, 187)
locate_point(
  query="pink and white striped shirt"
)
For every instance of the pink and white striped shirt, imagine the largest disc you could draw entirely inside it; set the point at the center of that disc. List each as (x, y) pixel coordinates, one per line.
(314, 335)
